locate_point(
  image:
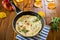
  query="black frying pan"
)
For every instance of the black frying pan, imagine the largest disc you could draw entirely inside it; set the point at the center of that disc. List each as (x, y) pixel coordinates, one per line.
(21, 13)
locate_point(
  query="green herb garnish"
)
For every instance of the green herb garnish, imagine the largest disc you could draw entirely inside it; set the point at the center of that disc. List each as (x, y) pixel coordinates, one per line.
(55, 21)
(36, 20)
(23, 30)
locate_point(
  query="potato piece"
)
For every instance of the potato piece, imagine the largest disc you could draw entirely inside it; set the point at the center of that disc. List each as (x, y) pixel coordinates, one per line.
(51, 5)
(38, 4)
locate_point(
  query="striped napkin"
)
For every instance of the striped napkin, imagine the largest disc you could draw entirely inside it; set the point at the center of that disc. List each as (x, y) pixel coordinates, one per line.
(41, 36)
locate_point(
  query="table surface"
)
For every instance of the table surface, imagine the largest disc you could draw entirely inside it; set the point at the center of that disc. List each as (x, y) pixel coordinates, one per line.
(6, 30)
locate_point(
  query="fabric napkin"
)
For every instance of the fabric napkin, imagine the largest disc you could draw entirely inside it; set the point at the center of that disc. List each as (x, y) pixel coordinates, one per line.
(41, 36)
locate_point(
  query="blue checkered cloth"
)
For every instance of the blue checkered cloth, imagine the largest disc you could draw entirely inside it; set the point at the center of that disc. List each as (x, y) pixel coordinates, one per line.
(41, 36)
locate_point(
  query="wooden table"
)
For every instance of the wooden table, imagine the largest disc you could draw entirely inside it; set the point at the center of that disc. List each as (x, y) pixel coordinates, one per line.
(6, 30)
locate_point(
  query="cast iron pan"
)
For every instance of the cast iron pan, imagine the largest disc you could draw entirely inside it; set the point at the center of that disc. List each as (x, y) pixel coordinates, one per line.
(21, 13)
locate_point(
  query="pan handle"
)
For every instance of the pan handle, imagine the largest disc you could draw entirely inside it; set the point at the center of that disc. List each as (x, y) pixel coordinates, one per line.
(18, 11)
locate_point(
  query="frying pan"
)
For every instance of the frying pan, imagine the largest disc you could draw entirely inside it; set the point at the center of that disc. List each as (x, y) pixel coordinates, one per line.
(21, 13)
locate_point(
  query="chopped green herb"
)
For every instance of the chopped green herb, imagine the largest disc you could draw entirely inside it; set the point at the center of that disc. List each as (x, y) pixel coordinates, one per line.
(23, 30)
(36, 20)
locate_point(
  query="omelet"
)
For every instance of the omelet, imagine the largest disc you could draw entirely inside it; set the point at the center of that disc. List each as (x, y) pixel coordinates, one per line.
(28, 25)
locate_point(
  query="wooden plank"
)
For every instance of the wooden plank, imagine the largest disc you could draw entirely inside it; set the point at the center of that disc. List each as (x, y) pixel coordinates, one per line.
(10, 32)
(58, 13)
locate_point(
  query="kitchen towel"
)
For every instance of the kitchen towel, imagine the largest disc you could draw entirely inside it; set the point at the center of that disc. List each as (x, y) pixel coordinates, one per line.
(41, 36)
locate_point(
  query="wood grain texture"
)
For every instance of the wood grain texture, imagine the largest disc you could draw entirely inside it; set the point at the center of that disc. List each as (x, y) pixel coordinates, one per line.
(6, 30)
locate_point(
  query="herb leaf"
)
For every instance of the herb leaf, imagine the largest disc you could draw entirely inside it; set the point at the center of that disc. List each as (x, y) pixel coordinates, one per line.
(35, 20)
(23, 30)
(55, 21)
